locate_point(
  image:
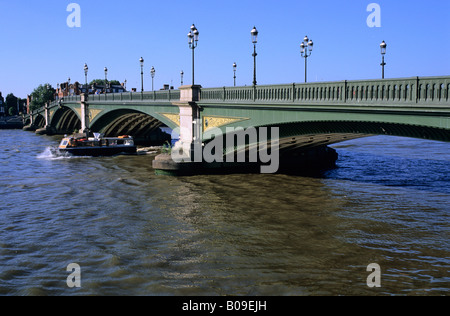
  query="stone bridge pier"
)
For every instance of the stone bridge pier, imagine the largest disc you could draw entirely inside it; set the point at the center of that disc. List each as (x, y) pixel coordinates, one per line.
(85, 121)
(190, 118)
(188, 148)
(47, 129)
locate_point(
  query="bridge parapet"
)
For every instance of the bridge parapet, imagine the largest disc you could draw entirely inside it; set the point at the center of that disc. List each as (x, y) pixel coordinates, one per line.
(72, 98)
(162, 95)
(426, 90)
(415, 91)
(155, 96)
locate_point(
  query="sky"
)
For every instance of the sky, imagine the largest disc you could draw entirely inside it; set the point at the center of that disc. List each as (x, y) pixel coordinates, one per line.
(38, 46)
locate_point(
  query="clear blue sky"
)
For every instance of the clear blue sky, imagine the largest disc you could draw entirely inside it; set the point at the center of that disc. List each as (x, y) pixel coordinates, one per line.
(37, 46)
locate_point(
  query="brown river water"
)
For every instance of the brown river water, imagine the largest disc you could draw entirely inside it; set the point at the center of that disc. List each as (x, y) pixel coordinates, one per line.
(135, 233)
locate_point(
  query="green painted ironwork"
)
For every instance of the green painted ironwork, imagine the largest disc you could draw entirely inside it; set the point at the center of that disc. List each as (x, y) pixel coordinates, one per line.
(429, 90)
(414, 107)
(420, 91)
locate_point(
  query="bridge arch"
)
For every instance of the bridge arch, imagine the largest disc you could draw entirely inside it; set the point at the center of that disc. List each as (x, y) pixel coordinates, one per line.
(298, 138)
(65, 120)
(142, 126)
(39, 121)
(318, 133)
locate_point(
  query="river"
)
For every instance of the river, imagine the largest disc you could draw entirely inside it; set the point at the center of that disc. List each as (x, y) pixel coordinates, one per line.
(134, 233)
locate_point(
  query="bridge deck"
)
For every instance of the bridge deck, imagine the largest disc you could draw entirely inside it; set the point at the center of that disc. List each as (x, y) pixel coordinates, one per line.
(416, 92)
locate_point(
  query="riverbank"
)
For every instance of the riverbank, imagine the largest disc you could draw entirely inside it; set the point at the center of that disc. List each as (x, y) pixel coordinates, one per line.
(11, 122)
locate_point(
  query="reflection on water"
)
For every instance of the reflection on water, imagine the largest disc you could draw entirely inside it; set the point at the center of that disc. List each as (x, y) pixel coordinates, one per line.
(135, 233)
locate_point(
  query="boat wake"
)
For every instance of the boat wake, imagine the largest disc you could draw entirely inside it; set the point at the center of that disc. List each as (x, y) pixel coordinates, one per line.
(52, 153)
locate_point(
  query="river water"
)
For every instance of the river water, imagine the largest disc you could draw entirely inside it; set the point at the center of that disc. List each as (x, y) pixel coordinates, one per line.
(134, 233)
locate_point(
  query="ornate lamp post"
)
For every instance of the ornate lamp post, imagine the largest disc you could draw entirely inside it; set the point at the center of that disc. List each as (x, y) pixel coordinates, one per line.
(307, 47)
(383, 52)
(193, 41)
(86, 69)
(254, 33)
(106, 80)
(182, 77)
(68, 86)
(234, 70)
(142, 73)
(153, 72)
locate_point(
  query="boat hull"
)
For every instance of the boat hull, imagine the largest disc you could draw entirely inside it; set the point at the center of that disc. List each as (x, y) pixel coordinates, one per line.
(99, 151)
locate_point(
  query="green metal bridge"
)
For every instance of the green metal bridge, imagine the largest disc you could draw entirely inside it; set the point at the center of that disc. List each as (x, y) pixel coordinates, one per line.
(324, 112)
(310, 115)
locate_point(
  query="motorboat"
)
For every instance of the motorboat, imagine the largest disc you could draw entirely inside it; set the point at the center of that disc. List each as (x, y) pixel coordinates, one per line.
(81, 145)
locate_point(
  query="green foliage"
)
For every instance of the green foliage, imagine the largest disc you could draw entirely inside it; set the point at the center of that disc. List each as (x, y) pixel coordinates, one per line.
(11, 100)
(41, 95)
(12, 111)
(101, 82)
(11, 104)
(167, 148)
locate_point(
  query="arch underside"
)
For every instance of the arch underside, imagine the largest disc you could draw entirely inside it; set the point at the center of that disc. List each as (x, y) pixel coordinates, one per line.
(309, 134)
(66, 121)
(39, 121)
(137, 124)
(298, 137)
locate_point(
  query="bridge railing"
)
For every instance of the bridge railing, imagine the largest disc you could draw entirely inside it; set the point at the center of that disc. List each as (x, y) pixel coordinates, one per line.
(409, 91)
(71, 98)
(157, 96)
(161, 95)
(433, 90)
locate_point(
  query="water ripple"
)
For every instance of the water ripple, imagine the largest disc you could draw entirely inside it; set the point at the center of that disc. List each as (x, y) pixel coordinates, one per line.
(134, 233)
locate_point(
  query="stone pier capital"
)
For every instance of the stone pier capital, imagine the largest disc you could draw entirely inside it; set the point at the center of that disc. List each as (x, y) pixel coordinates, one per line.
(190, 93)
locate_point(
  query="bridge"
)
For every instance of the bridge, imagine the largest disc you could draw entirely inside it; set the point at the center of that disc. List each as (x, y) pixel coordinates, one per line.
(310, 115)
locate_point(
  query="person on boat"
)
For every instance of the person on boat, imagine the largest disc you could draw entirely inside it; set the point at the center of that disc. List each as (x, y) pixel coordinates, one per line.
(71, 143)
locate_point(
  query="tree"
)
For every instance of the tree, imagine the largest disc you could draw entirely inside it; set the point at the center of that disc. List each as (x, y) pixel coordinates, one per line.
(101, 82)
(11, 104)
(41, 95)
